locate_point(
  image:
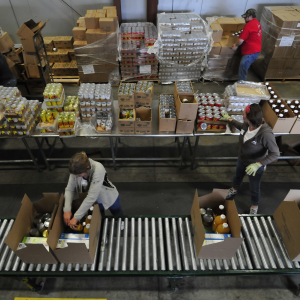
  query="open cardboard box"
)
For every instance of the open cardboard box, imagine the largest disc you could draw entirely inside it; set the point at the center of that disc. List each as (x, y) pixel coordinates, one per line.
(166, 124)
(186, 110)
(126, 125)
(176, 93)
(287, 218)
(145, 125)
(141, 98)
(279, 125)
(221, 250)
(35, 253)
(77, 252)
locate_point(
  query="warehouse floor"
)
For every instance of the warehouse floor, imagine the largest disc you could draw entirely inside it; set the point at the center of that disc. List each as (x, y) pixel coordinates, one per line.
(158, 189)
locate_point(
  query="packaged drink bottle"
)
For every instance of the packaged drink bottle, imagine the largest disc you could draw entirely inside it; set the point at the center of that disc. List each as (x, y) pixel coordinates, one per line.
(218, 220)
(87, 228)
(90, 212)
(219, 211)
(88, 220)
(223, 228)
(79, 228)
(207, 220)
(209, 211)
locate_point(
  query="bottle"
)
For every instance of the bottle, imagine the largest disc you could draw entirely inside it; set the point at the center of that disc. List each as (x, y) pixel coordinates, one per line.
(88, 219)
(278, 102)
(293, 107)
(202, 212)
(267, 84)
(271, 102)
(275, 97)
(79, 228)
(219, 211)
(280, 116)
(218, 220)
(274, 106)
(90, 212)
(296, 112)
(289, 102)
(272, 94)
(223, 228)
(277, 111)
(207, 220)
(296, 102)
(286, 113)
(209, 211)
(87, 228)
(269, 89)
(282, 108)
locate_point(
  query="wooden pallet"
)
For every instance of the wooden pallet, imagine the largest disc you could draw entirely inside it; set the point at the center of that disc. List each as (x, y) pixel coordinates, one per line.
(282, 79)
(67, 79)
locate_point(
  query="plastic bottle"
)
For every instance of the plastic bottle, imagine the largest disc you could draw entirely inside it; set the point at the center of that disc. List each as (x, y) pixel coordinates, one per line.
(87, 228)
(223, 228)
(88, 220)
(219, 211)
(209, 211)
(218, 220)
(207, 220)
(90, 212)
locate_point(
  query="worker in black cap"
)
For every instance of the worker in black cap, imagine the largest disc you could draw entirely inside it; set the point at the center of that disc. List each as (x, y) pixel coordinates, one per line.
(250, 42)
(7, 78)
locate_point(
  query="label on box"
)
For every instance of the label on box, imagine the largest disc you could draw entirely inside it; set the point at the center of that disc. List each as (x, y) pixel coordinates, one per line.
(286, 41)
(33, 240)
(146, 69)
(88, 69)
(298, 25)
(20, 45)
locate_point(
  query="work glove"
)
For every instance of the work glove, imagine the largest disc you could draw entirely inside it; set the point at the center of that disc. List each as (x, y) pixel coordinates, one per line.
(225, 117)
(251, 169)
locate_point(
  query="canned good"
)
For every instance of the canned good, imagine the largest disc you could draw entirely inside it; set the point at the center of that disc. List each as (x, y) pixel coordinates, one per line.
(34, 232)
(185, 100)
(41, 228)
(204, 103)
(46, 216)
(214, 126)
(201, 116)
(209, 117)
(222, 126)
(216, 117)
(218, 103)
(211, 103)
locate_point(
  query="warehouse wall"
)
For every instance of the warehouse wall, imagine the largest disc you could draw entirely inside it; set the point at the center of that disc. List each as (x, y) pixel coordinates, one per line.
(62, 19)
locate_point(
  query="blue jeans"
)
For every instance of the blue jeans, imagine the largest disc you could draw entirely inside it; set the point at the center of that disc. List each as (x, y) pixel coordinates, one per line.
(254, 181)
(245, 64)
(11, 83)
(115, 209)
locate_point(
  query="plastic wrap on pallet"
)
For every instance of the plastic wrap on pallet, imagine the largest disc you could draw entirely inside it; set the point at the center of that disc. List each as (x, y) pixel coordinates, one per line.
(224, 66)
(134, 42)
(280, 54)
(184, 40)
(96, 61)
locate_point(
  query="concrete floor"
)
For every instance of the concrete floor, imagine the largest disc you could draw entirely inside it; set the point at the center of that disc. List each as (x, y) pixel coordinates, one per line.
(157, 188)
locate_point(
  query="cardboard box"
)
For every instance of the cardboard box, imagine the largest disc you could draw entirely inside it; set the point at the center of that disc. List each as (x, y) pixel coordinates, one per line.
(77, 252)
(231, 25)
(186, 110)
(80, 21)
(125, 125)
(92, 19)
(217, 32)
(107, 24)
(216, 49)
(96, 77)
(282, 125)
(126, 101)
(221, 250)
(15, 55)
(30, 58)
(185, 126)
(176, 93)
(226, 47)
(79, 33)
(94, 35)
(144, 99)
(286, 217)
(53, 57)
(72, 54)
(166, 124)
(63, 42)
(35, 253)
(63, 55)
(48, 41)
(27, 32)
(277, 63)
(145, 125)
(33, 71)
(6, 43)
(79, 44)
(296, 127)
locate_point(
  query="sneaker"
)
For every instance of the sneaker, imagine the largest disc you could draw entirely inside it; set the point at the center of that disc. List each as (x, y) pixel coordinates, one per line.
(253, 211)
(231, 193)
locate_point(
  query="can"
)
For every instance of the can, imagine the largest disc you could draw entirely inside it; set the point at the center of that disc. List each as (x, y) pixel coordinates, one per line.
(201, 116)
(214, 126)
(185, 100)
(216, 117)
(211, 103)
(204, 103)
(222, 126)
(37, 221)
(46, 216)
(41, 228)
(208, 126)
(218, 103)
(49, 117)
(34, 232)
(202, 126)
(209, 117)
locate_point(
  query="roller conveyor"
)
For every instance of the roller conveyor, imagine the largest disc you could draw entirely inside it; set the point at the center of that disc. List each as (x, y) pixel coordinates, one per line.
(160, 246)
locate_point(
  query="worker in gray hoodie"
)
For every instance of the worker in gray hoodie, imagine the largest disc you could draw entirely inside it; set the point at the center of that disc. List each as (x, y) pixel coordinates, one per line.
(89, 176)
(257, 148)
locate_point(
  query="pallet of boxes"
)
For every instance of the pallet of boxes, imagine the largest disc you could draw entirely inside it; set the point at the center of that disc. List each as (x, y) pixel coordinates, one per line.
(223, 61)
(14, 56)
(96, 45)
(280, 54)
(62, 57)
(136, 62)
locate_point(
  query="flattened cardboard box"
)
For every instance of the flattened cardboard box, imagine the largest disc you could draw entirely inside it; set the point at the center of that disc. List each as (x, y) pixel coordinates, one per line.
(287, 217)
(186, 110)
(145, 125)
(279, 125)
(221, 250)
(77, 252)
(35, 253)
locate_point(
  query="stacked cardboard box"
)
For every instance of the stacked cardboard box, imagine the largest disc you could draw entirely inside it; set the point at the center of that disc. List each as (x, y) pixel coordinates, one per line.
(280, 55)
(95, 44)
(27, 33)
(135, 61)
(223, 62)
(184, 44)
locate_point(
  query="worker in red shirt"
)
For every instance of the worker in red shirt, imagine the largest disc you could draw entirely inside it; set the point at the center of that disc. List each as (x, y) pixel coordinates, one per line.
(250, 39)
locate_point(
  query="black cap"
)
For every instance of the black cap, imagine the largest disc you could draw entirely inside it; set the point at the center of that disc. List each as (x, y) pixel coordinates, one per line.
(249, 12)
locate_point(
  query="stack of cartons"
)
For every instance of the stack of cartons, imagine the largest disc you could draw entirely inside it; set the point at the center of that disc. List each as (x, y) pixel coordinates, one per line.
(223, 62)
(27, 33)
(280, 55)
(135, 61)
(95, 44)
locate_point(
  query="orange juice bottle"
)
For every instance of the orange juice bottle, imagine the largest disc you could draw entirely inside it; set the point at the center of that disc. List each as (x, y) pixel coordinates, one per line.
(218, 220)
(88, 219)
(87, 228)
(79, 228)
(223, 228)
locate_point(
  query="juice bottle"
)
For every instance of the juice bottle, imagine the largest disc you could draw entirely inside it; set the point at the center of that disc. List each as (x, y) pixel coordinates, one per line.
(219, 211)
(223, 228)
(87, 228)
(88, 219)
(79, 228)
(90, 212)
(218, 220)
